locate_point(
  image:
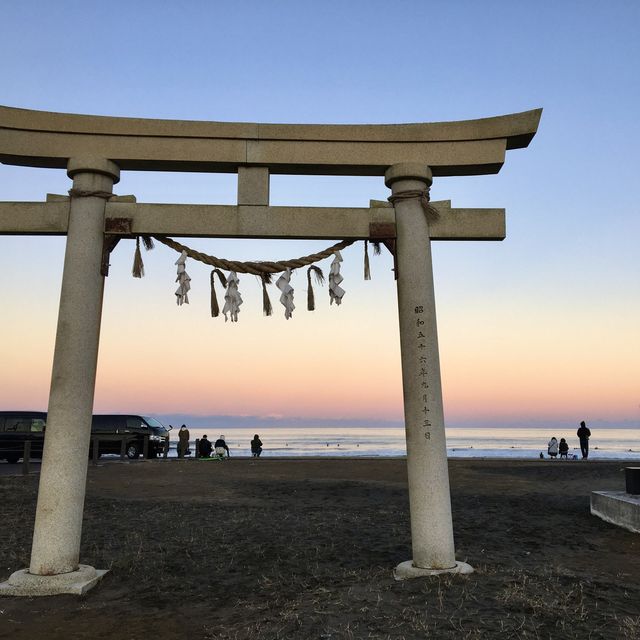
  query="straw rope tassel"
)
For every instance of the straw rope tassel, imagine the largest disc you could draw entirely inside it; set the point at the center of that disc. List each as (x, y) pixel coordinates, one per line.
(215, 309)
(267, 309)
(311, 301)
(317, 271)
(138, 265)
(367, 268)
(147, 241)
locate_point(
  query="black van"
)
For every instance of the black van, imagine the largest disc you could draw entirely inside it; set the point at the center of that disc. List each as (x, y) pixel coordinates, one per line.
(104, 426)
(16, 427)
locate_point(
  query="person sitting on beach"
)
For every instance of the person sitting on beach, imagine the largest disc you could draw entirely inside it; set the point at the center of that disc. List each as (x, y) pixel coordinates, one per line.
(563, 448)
(256, 446)
(552, 448)
(221, 447)
(204, 447)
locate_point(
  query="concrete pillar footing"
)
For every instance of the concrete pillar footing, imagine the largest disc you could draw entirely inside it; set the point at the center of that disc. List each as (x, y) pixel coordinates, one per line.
(23, 583)
(407, 570)
(617, 507)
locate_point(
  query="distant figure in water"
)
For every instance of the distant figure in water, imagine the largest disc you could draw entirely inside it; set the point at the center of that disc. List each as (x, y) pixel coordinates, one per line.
(204, 447)
(584, 434)
(256, 446)
(541, 456)
(221, 447)
(552, 448)
(563, 448)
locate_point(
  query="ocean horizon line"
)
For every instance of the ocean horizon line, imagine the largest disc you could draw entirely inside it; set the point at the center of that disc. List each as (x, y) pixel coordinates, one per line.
(314, 422)
(372, 423)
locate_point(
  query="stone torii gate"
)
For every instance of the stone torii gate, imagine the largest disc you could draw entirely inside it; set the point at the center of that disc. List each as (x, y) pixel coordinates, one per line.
(94, 149)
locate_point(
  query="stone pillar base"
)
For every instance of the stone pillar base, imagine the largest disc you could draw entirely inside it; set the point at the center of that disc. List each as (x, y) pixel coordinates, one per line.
(23, 583)
(407, 570)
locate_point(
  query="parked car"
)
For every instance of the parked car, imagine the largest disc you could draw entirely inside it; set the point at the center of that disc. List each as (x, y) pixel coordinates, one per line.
(16, 427)
(106, 426)
(110, 429)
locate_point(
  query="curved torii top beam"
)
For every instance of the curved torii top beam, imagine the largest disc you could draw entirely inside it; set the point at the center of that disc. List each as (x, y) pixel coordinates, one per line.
(466, 147)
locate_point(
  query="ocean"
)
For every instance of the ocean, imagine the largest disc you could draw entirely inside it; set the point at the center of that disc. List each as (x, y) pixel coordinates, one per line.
(609, 443)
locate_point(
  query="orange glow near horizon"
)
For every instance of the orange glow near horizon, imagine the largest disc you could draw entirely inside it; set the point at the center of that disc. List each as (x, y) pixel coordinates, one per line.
(337, 363)
(509, 360)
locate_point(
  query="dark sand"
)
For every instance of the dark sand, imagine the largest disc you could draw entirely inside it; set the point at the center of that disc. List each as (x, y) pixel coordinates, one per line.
(305, 549)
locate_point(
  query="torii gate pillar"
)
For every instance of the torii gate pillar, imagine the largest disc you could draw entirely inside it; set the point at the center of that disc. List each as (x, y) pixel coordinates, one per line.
(55, 551)
(429, 497)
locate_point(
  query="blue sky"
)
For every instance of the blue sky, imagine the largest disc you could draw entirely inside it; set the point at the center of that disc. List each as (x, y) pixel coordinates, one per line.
(542, 328)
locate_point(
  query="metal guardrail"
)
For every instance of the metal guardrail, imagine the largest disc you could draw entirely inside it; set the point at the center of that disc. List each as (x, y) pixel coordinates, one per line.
(95, 441)
(124, 440)
(26, 455)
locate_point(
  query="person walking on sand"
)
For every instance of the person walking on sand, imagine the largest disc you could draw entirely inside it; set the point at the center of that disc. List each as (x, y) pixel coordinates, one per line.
(221, 447)
(256, 446)
(204, 447)
(563, 448)
(183, 441)
(552, 448)
(584, 434)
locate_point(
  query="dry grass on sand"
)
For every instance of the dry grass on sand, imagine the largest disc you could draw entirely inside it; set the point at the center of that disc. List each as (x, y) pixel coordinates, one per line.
(268, 549)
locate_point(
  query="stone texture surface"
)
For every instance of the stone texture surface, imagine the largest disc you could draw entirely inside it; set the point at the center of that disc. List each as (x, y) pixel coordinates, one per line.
(407, 570)
(58, 525)
(96, 164)
(617, 507)
(45, 139)
(428, 475)
(23, 583)
(253, 186)
(251, 221)
(41, 218)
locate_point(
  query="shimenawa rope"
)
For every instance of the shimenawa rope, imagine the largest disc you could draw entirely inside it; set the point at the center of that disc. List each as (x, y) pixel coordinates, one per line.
(80, 193)
(254, 268)
(429, 210)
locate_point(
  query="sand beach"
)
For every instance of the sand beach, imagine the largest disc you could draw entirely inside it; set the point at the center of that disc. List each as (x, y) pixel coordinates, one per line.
(305, 549)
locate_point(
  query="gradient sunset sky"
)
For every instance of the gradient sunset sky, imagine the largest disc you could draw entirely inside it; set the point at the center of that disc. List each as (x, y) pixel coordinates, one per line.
(541, 329)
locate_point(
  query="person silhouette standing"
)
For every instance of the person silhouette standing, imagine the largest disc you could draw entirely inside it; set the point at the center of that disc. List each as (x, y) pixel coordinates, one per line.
(584, 434)
(183, 441)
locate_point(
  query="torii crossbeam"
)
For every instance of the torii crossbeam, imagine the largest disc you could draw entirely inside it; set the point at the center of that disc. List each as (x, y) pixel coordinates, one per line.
(94, 149)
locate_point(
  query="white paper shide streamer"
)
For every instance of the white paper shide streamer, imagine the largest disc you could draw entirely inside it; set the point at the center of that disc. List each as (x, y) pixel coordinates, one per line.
(183, 280)
(232, 298)
(287, 293)
(335, 290)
